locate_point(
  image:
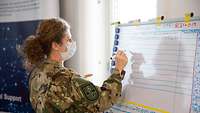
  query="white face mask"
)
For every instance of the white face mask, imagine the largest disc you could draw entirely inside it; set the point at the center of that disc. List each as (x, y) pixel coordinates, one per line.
(70, 50)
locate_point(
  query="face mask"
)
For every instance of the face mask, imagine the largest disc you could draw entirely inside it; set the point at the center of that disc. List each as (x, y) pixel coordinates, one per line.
(70, 50)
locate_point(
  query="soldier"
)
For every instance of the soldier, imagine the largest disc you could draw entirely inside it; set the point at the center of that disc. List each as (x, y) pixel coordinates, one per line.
(54, 88)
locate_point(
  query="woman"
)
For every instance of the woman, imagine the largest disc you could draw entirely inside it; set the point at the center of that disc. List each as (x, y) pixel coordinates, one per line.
(57, 89)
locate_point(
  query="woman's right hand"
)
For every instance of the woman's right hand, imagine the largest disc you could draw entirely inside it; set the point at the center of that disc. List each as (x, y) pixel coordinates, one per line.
(121, 60)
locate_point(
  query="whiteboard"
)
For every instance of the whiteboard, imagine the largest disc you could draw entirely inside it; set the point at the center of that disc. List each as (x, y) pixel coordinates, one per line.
(163, 73)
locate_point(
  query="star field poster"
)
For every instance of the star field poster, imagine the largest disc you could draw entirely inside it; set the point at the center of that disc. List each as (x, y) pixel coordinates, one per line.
(18, 19)
(13, 78)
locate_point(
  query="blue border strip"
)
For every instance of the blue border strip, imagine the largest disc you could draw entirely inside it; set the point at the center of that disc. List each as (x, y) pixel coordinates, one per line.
(196, 80)
(115, 47)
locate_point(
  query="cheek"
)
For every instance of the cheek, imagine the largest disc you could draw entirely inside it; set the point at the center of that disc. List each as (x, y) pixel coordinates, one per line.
(63, 49)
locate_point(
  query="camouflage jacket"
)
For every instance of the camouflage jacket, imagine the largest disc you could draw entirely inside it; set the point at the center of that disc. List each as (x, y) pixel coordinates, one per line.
(56, 89)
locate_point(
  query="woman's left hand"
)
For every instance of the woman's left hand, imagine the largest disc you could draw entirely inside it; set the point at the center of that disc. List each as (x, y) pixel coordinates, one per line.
(87, 75)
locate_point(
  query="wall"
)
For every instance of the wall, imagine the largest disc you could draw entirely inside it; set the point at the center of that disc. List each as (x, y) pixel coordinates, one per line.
(177, 8)
(25, 10)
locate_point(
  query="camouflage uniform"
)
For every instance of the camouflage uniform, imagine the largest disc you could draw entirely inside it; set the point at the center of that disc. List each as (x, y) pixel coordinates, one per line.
(56, 89)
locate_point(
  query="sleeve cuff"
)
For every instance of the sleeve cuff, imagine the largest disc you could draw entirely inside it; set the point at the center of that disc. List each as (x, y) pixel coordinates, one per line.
(116, 74)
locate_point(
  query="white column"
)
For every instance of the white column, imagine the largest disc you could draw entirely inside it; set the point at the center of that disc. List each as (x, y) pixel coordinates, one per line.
(88, 25)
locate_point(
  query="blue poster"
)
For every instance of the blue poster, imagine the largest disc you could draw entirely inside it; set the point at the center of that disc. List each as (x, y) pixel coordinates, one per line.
(14, 95)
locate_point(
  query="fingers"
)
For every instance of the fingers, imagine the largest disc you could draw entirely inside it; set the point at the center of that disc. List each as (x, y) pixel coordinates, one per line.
(121, 55)
(120, 52)
(87, 75)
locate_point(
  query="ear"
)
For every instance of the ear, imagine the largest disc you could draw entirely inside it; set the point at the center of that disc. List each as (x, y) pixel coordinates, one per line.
(55, 46)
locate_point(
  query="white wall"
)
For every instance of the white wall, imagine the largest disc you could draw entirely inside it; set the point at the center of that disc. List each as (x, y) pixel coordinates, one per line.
(24, 10)
(177, 8)
(88, 21)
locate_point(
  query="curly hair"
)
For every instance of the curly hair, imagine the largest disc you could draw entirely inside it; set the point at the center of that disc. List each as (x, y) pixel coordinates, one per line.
(38, 47)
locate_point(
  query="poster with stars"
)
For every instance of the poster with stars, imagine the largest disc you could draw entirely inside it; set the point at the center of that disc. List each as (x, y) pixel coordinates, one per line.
(18, 19)
(14, 80)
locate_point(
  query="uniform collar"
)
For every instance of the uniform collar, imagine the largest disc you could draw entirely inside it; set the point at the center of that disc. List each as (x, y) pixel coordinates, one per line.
(55, 63)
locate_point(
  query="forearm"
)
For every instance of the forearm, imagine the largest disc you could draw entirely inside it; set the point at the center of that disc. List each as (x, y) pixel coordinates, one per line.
(110, 91)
